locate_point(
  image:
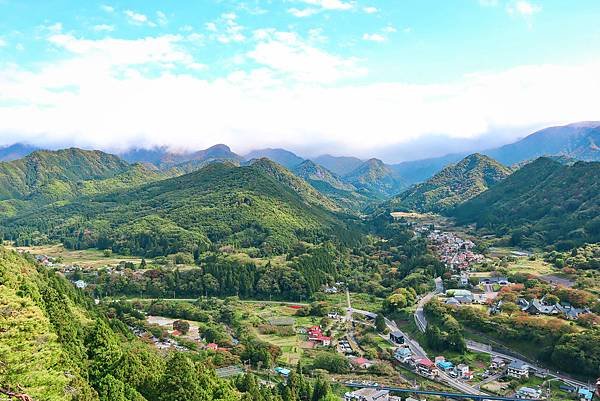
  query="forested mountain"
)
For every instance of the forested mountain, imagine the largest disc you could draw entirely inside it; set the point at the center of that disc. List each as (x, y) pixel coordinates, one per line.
(16, 151)
(281, 156)
(452, 186)
(331, 185)
(48, 176)
(543, 203)
(186, 161)
(261, 206)
(580, 141)
(340, 165)
(375, 178)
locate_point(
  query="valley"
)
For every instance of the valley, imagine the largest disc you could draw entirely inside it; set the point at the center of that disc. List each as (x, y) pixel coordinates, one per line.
(255, 272)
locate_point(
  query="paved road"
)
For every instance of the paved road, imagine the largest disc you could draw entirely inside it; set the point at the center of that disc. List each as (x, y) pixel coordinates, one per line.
(420, 318)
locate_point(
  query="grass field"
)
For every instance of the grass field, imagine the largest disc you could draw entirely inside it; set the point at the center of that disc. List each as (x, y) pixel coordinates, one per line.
(87, 258)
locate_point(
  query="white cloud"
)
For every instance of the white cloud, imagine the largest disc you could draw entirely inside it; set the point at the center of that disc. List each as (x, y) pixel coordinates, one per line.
(301, 13)
(330, 4)
(107, 8)
(374, 37)
(316, 6)
(104, 28)
(524, 8)
(2, 42)
(136, 18)
(226, 29)
(161, 18)
(98, 97)
(370, 10)
(389, 29)
(288, 54)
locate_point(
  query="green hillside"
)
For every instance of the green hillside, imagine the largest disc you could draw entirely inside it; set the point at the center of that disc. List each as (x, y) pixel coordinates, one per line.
(44, 177)
(375, 179)
(452, 186)
(331, 185)
(542, 203)
(261, 206)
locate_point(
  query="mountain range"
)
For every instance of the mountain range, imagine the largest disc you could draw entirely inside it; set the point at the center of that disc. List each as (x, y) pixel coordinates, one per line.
(373, 177)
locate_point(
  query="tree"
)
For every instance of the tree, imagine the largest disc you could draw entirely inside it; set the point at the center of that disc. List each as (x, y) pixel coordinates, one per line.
(380, 323)
(331, 362)
(180, 381)
(182, 326)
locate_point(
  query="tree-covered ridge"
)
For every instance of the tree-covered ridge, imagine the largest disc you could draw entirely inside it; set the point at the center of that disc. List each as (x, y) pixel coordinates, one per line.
(375, 178)
(45, 177)
(262, 207)
(543, 203)
(331, 185)
(453, 185)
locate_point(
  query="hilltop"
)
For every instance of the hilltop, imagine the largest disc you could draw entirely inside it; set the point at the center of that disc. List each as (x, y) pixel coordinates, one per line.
(376, 179)
(543, 203)
(453, 185)
(44, 177)
(261, 206)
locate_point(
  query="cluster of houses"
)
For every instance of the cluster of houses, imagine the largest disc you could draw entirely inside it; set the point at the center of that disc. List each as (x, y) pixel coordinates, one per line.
(540, 307)
(454, 251)
(461, 371)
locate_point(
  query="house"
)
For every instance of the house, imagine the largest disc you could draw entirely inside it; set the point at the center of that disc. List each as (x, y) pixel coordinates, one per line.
(538, 307)
(397, 337)
(529, 393)
(464, 372)
(502, 281)
(497, 363)
(452, 301)
(445, 365)
(403, 354)
(368, 394)
(212, 346)
(464, 279)
(410, 399)
(425, 367)
(518, 369)
(361, 363)
(316, 335)
(570, 312)
(584, 394)
(285, 372)
(333, 315)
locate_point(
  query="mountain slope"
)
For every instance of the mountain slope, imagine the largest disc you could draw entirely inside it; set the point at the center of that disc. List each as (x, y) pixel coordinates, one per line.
(281, 156)
(579, 141)
(258, 206)
(416, 171)
(16, 151)
(542, 203)
(331, 185)
(375, 178)
(340, 165)
(453, 185)
(51, 176)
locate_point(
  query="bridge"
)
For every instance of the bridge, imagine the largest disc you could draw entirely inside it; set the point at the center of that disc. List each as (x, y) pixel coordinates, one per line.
(476, 397)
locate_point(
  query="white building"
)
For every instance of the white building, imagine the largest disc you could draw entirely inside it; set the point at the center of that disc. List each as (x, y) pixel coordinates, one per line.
(518, 369)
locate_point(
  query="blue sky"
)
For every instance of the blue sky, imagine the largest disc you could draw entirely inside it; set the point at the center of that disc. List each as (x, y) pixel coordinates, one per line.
(337, 76)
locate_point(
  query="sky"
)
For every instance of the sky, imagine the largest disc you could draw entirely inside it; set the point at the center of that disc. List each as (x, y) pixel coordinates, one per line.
(397, 79)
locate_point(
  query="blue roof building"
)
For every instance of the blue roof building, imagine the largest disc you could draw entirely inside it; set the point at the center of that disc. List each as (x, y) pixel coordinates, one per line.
(585, 394)
(445, 365)
(283, 371)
